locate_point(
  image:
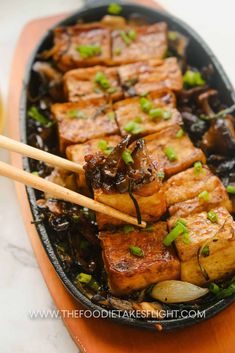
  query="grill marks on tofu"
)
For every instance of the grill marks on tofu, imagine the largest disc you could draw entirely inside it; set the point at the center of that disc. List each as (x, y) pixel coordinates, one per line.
(150, 76)
(150, 42)
(126, 272)
(129, 110)
(186, 153)
(67, 41)
(182, 192)
(152, 207)
(217, 238)
(79, 122)
(81, 84)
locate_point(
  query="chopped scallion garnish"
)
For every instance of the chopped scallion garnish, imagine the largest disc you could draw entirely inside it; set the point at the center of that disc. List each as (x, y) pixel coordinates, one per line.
(161, 174)
(132, 34)
(170, 153)
(114, 9)
(212, 216)
(102, 80)
(34, 113)
(193, 78)
(102, 145)
(136, 251)
(117, 51)
(197, 167)
(125, 38)
(146, 104)
(87, 51)
(76, 114)
(133, 127)
(179, 229)
(204, 195)
(180, 133)
(230, 189)
(205, 251)
(127, 158)
(84, 278)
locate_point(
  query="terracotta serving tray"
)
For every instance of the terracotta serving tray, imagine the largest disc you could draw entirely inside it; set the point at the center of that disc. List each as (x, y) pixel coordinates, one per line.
(99, 335)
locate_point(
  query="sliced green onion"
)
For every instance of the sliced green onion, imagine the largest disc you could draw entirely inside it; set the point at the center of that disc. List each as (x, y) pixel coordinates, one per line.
(35, 173)
(230, 189)
(136, 251)
(214, 288)
(114, 9)
(75, 218)
(146, 104)
(149, 228)
(128, 228)
(174, 233)
(125, 38)
(170, 153)
(132, 34)
(133, 127)
(212, 216)
(226, 292)
(185, 238)
(193, 78)
(156, 113)
(197, 167)
(205, 251)
(204, 195)
(93, 284)
(34, 113)
(127, 158)
(166, 115)
(102, 80)
(180, 133)
(102, 144)
(76, 114)
(87, 51)
(84, 278)
(161, 174)
(172, 35)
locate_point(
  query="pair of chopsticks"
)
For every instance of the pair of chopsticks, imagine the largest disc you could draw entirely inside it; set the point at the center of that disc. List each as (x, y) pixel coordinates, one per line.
(48, 187)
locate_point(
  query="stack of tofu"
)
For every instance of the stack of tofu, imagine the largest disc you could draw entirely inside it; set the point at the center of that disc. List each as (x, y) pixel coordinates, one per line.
(133, 67)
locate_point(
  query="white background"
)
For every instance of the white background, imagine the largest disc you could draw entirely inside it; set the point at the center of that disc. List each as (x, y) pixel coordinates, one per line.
(21, 285)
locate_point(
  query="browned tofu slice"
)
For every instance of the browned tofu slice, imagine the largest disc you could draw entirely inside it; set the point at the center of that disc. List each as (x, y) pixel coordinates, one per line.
(68, 53)
(183, 191)
(129, 110)
(152, 207)
(148, 42)
(126, 272)
(76, 153)
(82, 121)
(210, 252)
(186, 153)
(81, 84)
(151, 76)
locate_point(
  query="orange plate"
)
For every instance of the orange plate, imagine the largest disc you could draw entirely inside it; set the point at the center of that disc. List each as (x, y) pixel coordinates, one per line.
(100, 335)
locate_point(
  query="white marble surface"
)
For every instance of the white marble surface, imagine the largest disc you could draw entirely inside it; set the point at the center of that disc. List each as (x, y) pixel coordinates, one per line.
(22, 287)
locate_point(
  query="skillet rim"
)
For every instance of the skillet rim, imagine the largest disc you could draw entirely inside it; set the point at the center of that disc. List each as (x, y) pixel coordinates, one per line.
(168, 325)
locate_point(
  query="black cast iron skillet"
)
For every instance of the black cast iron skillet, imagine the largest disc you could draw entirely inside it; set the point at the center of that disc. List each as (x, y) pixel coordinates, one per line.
(198, 55)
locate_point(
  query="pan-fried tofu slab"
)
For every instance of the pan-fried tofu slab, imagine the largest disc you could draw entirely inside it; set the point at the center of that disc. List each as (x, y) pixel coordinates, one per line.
(81, 45)
(127, 272)
(152, 207)
(151, 76)
(132, 119)
(76, 153)
(139, 43)
(93, 83)
(209, 253)
(185, 153)
(189, 192)
(82, 121)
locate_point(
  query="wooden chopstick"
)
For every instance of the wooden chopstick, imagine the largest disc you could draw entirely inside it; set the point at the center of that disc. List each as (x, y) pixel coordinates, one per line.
(35, 153)
(63, 193)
